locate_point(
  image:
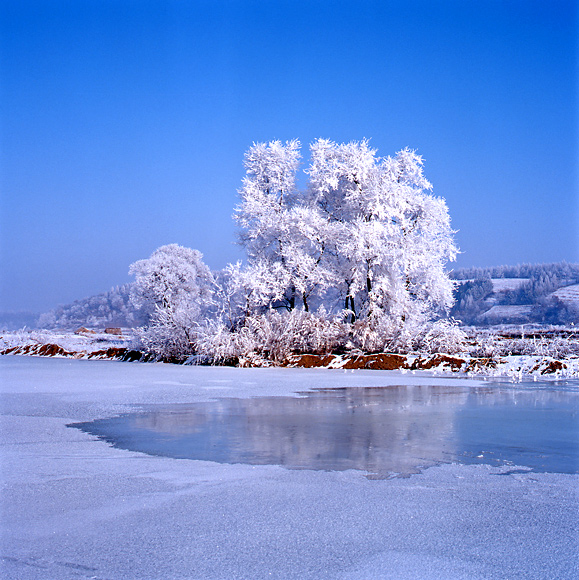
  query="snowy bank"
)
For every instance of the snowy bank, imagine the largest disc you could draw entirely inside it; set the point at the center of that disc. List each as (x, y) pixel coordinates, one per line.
(502, 355)
(511, 366)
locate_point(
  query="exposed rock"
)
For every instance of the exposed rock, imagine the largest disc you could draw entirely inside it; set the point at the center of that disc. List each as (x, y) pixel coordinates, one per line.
(133, 356)
(113, 353)
(308, 361)
(438, 360)
(553, 367)
(39, 350)
(382, 361)
(83, 330)
(112, 330)
(476, 364)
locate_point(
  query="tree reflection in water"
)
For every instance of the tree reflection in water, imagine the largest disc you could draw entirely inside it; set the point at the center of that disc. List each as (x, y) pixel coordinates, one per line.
(385, 431)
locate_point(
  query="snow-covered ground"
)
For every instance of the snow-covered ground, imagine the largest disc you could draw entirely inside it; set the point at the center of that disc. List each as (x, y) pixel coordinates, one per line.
(90, 341)
(75, 507)
(506, 312)
(507, 284)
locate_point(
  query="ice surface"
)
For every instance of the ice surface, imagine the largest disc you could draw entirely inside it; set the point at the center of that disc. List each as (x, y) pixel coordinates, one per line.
(75, 507)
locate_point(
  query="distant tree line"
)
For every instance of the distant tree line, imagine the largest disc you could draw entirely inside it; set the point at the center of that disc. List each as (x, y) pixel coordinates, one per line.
(561, 270)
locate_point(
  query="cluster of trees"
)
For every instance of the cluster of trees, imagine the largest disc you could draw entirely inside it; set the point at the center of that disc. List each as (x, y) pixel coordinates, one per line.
(552, 310)
(531, 291)
(354, 261)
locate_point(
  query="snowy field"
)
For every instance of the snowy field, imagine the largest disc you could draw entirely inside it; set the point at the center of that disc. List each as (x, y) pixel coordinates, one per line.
(75, 507)
(506, 312)
(568, 294)
(507, 284)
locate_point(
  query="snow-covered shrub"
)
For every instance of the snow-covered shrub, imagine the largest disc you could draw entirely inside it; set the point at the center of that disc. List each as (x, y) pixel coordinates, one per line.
(10, 339)
(218, 343)
(280, 334)
(383, 335)
(166, 342)
(272, 335)
(485, 344)
(497, 343)
(552, 347)
(441, 336)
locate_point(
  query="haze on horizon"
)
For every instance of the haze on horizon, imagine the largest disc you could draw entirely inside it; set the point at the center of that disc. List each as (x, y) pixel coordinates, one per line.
(124, 124)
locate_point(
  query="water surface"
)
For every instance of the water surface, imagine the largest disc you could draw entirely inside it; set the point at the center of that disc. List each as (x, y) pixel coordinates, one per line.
(385, 431)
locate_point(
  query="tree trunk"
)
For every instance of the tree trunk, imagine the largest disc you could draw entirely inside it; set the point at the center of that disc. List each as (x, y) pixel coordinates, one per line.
(292, 298)
(352, 308)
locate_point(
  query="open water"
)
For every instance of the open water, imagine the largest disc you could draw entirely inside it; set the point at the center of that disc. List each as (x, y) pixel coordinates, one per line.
(384, 431)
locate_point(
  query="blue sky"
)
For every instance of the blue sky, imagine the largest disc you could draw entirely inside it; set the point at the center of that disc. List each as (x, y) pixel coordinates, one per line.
(124, 123)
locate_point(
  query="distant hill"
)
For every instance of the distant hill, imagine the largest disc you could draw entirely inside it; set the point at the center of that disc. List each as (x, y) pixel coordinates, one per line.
(540, 293)
(113, 308)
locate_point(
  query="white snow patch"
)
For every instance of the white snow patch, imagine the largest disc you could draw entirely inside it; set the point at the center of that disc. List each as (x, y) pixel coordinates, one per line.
(503, 312)
(507, 284)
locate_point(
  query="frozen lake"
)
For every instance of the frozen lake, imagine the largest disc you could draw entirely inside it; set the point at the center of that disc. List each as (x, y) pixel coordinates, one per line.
(74, 506)
(385, 431)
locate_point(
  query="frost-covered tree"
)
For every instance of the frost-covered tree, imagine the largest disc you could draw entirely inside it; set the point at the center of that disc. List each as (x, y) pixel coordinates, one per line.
(283, 236)
(367, 232)
(176, 287)
(391, 237)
